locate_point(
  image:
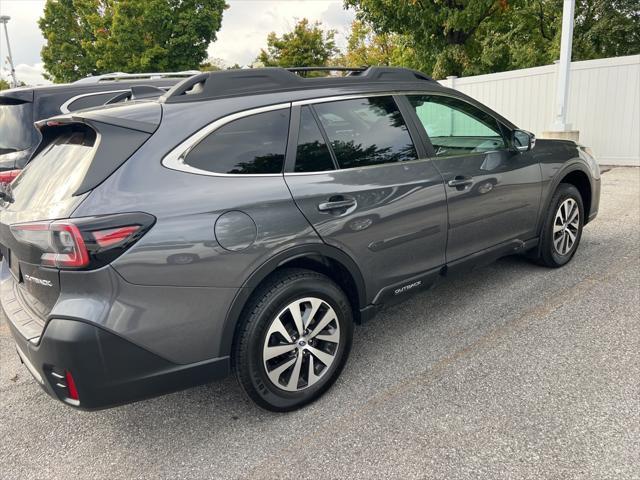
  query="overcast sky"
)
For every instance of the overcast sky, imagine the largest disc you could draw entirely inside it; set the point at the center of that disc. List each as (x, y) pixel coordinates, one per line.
(245, 26)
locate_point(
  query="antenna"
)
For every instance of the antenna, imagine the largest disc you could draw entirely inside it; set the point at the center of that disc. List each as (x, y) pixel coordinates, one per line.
(4, 19)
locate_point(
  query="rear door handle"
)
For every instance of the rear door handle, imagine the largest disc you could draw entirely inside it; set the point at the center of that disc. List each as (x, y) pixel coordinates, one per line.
(460, 181)
(338, 204)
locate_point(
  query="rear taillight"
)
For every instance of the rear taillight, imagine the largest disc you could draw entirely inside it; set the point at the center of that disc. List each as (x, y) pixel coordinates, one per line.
(61, 243)
(9, 176)
(83, 242)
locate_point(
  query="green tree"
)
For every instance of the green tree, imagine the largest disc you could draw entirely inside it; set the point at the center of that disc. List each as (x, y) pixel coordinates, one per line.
(88, 37)
(308, 45)
(470, 37)
(529, 33)
(4, 85)
(365, 47)
(443, 32)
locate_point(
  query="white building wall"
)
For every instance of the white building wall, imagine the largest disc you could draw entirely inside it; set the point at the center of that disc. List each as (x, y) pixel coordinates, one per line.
(604, 102)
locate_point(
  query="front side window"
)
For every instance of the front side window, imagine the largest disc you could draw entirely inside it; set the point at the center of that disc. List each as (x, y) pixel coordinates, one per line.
(312, 154)
(456, 127)
(366, 131)
(249, 145)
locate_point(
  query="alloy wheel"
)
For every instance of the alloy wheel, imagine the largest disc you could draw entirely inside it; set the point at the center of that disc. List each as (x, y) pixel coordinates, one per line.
(566, 225)
(301, 344)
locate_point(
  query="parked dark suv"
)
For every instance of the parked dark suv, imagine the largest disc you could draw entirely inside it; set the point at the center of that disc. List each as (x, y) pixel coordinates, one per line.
(21, 107)
(247, 219)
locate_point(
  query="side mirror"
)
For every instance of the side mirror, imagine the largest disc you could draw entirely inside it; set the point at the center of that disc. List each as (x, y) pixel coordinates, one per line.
(523, 141)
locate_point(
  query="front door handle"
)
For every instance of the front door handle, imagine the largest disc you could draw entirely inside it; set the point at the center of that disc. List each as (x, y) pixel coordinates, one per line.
(337, 203)
(460, 181)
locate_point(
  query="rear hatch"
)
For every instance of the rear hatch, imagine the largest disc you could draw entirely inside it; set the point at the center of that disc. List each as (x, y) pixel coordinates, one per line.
(76, 154)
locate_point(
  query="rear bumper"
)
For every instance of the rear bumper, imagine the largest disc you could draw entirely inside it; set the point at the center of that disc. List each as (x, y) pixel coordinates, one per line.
(107, 369)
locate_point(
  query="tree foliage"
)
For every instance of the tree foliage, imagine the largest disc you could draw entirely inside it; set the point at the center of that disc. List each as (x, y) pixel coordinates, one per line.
(89, 37)
(307, 45)
(366, 47)
(470, 37)
(444, 33)
(4, 85)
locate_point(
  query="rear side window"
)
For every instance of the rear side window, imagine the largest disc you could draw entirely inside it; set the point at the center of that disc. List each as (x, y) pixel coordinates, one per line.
(69, 156)
(312, 154)
(366, 131)
(249, 145)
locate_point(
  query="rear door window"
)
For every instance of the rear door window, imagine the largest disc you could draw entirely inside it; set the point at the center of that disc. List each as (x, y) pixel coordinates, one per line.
(366, 131)
(312, 154)
(251, 145)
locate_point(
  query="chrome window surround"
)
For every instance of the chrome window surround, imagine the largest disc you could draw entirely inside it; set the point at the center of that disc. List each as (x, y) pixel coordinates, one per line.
(174, 160)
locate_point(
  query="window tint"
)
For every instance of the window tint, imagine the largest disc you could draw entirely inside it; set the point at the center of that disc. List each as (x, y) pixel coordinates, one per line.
(69, 156)
(312, 154)
(366, 131)
(456, 127)
(254, 144)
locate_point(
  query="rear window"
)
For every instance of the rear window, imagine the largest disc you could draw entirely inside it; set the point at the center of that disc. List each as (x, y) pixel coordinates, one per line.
(16, 126)
(68, 156)
(249, 145)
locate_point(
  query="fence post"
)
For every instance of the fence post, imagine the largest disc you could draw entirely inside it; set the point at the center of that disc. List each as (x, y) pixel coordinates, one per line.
(451, 81)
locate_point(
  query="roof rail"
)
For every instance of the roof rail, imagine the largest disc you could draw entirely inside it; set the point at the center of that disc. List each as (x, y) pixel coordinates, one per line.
(253, 81)
(115, 76)
(327, 69)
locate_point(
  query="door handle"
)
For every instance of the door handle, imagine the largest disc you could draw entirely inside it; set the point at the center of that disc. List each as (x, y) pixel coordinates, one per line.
(460, 181)
(337, 203)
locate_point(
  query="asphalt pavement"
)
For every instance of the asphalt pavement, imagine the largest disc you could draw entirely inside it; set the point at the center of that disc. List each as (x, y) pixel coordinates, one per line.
(510, 371)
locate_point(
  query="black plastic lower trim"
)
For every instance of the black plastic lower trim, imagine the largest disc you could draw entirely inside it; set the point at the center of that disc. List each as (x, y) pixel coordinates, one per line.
(107, 369)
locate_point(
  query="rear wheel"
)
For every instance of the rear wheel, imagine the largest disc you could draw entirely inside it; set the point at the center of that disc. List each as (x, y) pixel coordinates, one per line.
(294, 340)
(562, 229)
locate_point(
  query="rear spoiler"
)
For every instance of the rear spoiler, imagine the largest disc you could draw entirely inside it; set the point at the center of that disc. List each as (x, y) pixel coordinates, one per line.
(16, 96)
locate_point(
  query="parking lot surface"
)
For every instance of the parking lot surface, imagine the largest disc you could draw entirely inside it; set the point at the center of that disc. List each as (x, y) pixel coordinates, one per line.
(510, 371)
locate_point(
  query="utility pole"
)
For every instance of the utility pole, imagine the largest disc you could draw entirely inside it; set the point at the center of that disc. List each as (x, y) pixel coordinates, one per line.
(559, 127)
(4, 19)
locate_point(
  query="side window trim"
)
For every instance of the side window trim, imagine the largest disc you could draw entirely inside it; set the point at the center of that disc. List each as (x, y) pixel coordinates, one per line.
(294, 137)
(292, 142)
(174, 160)
(325, 137)
(423, 132)
(416, 130)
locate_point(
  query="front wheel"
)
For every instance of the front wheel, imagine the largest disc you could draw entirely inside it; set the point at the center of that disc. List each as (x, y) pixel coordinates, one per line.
(562, 229)
(294, 340)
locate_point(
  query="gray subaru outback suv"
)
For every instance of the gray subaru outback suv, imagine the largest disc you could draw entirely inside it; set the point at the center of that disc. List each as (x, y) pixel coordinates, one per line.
(247, 219)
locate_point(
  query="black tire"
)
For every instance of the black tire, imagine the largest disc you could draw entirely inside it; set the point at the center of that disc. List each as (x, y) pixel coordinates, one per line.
(548, 255)
(277, 293)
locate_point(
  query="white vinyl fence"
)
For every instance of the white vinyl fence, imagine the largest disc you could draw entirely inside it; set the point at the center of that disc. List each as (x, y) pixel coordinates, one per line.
(604, 102)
